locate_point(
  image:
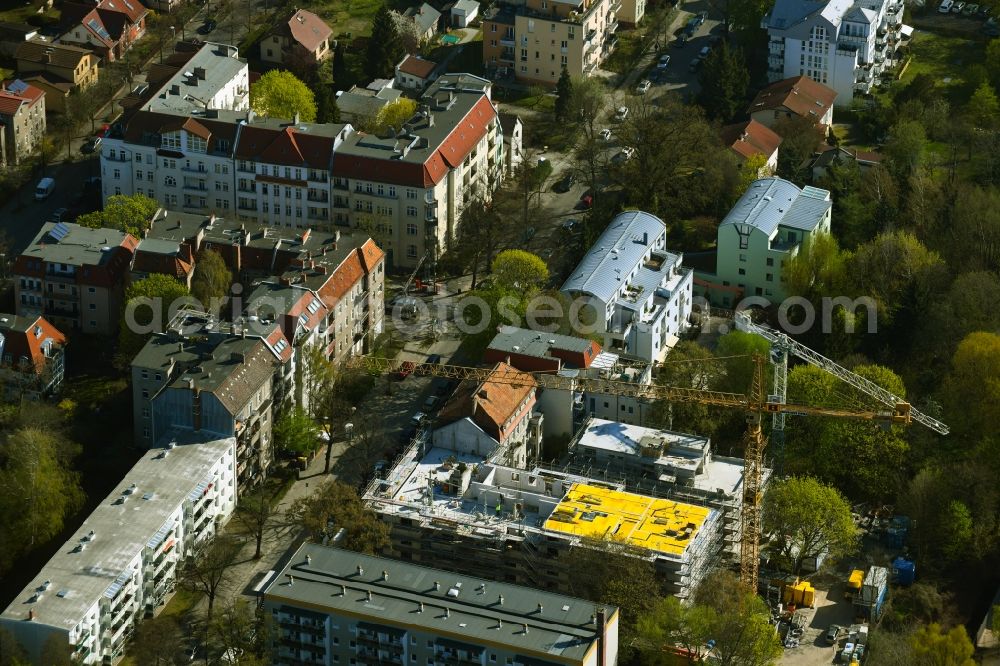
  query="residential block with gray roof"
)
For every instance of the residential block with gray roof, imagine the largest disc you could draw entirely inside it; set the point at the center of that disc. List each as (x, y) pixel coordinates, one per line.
(849, 45)
(637, 290)
(214, 77)
(331, 606)
(771, 223)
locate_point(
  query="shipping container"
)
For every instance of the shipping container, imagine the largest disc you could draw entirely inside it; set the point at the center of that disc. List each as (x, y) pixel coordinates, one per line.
(904, 571)
(868, 603)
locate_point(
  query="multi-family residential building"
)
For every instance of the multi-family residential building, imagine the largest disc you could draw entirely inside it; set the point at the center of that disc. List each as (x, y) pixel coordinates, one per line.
(410, 614)
(108, 27)
(74, 276)
(301, 40)
(214, 384)
(121, 564)
(493, 418)
(213, 77)
(535, 39)
(538, 351)
(751, 139)
(666, 464)
(845, 44)
(22, 121)
(513, 131)
(638, 291)
(799, 97)
(771, 223)
(361, 105)
(32, 353)
(412, 185)
(466, 513)
(58, 69)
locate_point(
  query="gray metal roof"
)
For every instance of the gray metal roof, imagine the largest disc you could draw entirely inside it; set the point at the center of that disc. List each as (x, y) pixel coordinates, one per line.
(787, 13)
(79, 246)
(78, 579)
(859, 14)
(562, 630)
(466, 5)
(216, 65)
(536, 343)
(772, 202)
(613, 256)
(424, 16)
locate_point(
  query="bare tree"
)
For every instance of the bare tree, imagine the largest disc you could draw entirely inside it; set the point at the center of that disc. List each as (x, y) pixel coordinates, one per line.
(208, 568)
(590, 152)
(256, 512)
(238, 629)
(157, 641)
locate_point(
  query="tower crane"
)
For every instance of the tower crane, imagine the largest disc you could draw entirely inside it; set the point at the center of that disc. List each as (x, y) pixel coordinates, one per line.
(756, 404)
(782, 346)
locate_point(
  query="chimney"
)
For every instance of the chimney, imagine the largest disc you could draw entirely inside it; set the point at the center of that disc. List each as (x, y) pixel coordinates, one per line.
(437, 586)
(309, 559)
(368, 595)
(385, 575)
(295, 119)
(483, 394)
(500, 600)
(361, 571)
(321, 269)
(199, 73)
(539, 608)
(421, 608)
(291, 579)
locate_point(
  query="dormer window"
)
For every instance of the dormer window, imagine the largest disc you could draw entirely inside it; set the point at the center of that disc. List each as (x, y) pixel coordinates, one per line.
(171, 140)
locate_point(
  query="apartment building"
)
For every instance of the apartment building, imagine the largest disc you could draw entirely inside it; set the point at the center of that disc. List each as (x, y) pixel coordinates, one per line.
(493, 418)
(639, 291)
(58, 69)
(32, 353)
(461, 511)
(664, 463)
(413, 183)
(121, 565)
(213, 77)
(213, 381)
(771, 223)
(331, 606)
(845, 44)
(75, 277)
(534, 40)
(22, 121)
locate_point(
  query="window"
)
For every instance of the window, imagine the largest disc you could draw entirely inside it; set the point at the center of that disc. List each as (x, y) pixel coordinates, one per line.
(743, 257)
(743, 271)
(170, 181)
(411, 194)
(138, 174)
(411, 229)
(145, 394)
(524, 55)
(411, 211)
(118, 174)
(92, 290)
(171, 140)
(770, 261)
(769, 277)
(92, 306)
(392, 191)
(411, 251)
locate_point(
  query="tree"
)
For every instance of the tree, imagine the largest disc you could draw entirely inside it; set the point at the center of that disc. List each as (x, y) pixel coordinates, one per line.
(481, 229)
(211, 281)
(971, 238)
(39, 490)
(670, 623)
(689, 366)
(207, 570)
(131, 213)
(392, 115)
(239, 629)
(590, 151)
(334, 507)
(816, 272)
(327, 110)
(971, 392)
(806, 518)
(384, 49)
(295, 432)
(905, 147)
(984, 107)
(724, 80)
(256, 513)
(408, 34)
(737, 620)
(339, 65)
(280, 94)
(933, 646)
(746, 15)
(150, 302)
(520, 271)
(564, 94)
(157, 641)
(12, 653)
(799, 140)
(751, 169)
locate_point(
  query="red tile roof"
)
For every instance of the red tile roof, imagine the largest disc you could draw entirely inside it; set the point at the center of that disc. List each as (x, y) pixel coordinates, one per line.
(799, 94)
(154, 262)
(493, 404)
(416, 66)
(22, 341)
(750, 138)
(286, 146)
(10, 103)
(308, 29)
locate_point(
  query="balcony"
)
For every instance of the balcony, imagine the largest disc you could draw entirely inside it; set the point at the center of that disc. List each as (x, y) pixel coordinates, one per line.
(195, 187)
(507, 41)
(341, 202)
(250, 206)
(61, 310)
(247, 187)
(195, 169)
(612, 27)
(319, 197)
(507, 55)
(340, 184)
(615, 5)
(317, 176)
(53, 275)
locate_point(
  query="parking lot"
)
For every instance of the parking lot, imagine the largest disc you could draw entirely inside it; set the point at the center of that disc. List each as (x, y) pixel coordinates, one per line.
(831, 608)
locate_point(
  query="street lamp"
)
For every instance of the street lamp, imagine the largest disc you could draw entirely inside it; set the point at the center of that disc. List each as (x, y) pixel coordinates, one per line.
(349, 432)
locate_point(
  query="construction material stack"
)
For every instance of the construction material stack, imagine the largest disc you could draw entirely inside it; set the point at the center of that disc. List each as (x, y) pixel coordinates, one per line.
(874, 588)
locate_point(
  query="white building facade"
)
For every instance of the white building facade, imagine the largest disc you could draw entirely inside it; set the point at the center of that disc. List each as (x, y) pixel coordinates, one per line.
(121, 564)
(840, 43)
(639, 291)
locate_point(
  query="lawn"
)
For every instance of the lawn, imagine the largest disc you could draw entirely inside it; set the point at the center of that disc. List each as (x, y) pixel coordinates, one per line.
(20, 13)
(352, 17)
(944, 58)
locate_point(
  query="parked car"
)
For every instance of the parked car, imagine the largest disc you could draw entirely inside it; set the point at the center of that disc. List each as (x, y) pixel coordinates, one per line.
(695, 64)
(970, 9)
(984, 11)
(606, 135)
(570, 224)
(621, 114)
(700, 18)
(565, 183)
(945, 6)
(60, 215)
(628, 152)
(663, 61)
(957, 7)
(431, 404)
(587, 200)
(92, 145)
(704, 52)
(207, 27)
(643, 87)
(434, 359)
(44, 188)
(405, 370)
(682, 39)
(418, 419)
(832, 634)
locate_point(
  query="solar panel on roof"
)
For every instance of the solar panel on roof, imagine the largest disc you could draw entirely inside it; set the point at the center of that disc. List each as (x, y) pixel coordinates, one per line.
(17, 86)
(59, 231)
(98, 28)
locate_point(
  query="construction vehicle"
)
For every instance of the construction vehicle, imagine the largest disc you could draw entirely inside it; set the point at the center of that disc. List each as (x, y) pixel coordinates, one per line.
(756, 404)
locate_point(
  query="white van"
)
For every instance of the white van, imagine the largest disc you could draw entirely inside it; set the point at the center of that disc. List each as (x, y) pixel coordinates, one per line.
(44, 188)
(946, 6)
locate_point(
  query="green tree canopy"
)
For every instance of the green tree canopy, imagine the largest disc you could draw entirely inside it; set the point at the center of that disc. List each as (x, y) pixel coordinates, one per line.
(336, 506)
(905, 147)
(149, 303)
(971, 390)
(384, 47)
(564, 95)
(131, 213)
(984, 107)
(211, 280)
(689, 365)
(295, 432)
(394, 115)
(520, 271)
(280, 94)
(724, 80)
(806, 518)
(933, 646)
(40, 490)
(737, 620)
(799, 140)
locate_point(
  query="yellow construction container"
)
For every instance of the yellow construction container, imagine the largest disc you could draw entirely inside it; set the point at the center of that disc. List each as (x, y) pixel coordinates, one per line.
(808, 595)
(855, 580)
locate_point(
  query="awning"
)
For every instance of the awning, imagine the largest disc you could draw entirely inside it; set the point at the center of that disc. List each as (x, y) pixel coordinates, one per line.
(906, 30)
(170, 544)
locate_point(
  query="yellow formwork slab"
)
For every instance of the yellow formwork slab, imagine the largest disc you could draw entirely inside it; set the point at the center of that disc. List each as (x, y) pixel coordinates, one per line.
(600, 513)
